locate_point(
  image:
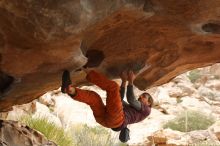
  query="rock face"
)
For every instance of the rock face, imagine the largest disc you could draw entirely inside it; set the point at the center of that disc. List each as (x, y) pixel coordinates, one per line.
(168, 137)
(157, 39)
(15, 134)
(178, 98)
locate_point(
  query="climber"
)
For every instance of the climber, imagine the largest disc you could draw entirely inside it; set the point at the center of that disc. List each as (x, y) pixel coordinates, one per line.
(117, 113)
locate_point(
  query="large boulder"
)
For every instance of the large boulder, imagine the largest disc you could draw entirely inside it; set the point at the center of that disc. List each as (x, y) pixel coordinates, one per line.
(153, 123)
(168, 137)
(180, 89)
(215, 128)
(16, 134)
(157, 39)
(190, 103)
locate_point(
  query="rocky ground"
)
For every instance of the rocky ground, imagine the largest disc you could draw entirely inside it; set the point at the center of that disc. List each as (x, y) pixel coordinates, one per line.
(195, 90)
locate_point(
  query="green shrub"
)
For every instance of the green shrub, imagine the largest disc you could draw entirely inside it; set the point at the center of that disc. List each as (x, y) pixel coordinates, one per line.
(178, 100)
(216, 77)
(49, 129)
(206, 143)
(190, 121)
(93, 136)
(79, 135)
(194, 75)
(210, 94)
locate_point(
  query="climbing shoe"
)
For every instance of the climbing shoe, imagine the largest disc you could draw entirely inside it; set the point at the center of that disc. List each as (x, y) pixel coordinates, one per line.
(66, 81)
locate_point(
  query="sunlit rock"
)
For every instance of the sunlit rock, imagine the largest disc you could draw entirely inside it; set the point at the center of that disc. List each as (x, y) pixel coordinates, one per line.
(16, 134)
(157, 39)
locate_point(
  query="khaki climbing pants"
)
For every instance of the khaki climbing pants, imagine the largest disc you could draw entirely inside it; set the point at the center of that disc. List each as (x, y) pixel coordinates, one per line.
(110, 115)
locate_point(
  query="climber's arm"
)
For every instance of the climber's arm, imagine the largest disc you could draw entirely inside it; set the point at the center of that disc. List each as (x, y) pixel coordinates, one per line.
(124, 77)
(130, 92)
(131, 98)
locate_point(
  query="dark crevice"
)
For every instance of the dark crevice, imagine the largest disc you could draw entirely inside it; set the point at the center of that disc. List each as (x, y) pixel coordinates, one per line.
(5, 82)
(211, 28)
(95, 58)
(135, 66)
(1, 125)
(2, 42)
(136, 3)
(142, 83)
(148, 6)
(0, 56)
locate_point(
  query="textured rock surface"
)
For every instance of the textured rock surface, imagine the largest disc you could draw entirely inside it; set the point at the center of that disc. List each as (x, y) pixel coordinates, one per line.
(168, 106)
(15, 134)
(158, 39)
(168, 137)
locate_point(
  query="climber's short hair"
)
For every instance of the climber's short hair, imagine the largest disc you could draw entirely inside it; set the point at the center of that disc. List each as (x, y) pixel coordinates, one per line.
(149, 97)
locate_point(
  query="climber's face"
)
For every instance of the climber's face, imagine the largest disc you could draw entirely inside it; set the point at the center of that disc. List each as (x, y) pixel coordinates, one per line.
(146, 99)
(143, 99)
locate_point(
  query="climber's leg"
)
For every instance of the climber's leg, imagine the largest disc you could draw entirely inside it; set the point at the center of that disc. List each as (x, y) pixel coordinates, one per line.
(94, 101)
(114, 108)
(89, 97)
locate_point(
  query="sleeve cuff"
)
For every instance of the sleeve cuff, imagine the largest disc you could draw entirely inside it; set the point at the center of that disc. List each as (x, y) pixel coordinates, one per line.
(129, 86)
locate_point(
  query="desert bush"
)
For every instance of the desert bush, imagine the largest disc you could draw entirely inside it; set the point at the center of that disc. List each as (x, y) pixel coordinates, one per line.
(194, 75)
(93, 136)
(210, 95)
(49, 129)
(178, 100)
(189, 121)
(206, 143)
(216, 77)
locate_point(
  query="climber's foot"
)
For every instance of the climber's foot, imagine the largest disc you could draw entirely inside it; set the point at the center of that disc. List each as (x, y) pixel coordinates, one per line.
(66, 81)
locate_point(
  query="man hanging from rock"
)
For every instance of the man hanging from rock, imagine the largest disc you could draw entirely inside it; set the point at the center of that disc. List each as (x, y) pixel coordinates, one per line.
(117, 113)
